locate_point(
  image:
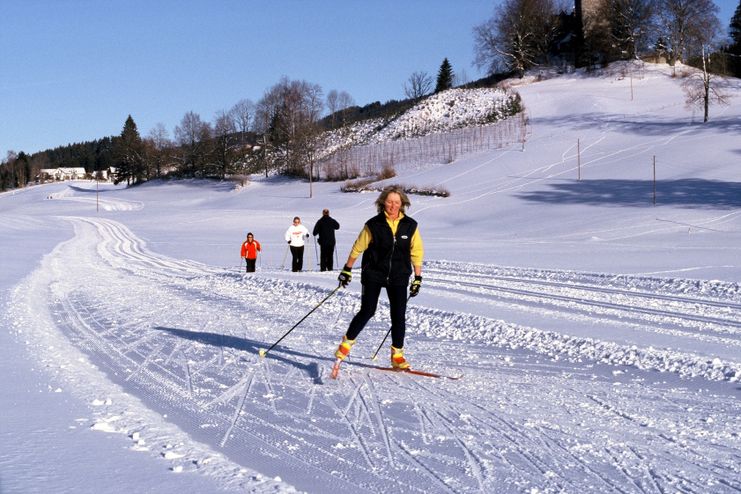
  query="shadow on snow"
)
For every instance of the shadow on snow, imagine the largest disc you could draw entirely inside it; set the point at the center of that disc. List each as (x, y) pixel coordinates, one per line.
(253, 346)
(688, 193)
(250, 346)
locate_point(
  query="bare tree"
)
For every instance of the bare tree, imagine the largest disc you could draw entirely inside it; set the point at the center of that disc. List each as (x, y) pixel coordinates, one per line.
(333, 106)
(264, 114)
(158, 142)
(687, 25)
(701, 88)
(418, 85)
(288, 114)
(225, 143)
(243, 115)
(461, 78)
(193, 135)
(517, 37)
(337, 101)
(344, 102)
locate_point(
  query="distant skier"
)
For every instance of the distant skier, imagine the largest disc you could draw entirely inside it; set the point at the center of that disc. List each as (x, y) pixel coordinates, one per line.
(325, 228)
(250, 248)
(392, 247)
(296, 235)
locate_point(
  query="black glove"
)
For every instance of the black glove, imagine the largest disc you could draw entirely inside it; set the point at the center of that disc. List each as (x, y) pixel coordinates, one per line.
(345, 276)
(289, 242)
(414, 287)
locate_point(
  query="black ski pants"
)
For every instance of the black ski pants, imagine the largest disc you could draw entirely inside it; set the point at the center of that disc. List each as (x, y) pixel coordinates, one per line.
(250, 268)
(369, 303)
(297, 253)
(326, 256)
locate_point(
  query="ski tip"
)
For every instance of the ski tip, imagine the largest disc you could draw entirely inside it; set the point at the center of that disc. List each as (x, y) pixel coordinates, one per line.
(262, 352)
(336, 369)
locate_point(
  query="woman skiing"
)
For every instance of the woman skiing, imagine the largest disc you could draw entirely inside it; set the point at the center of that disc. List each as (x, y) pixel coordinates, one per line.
(250, 248)
(296, 235)
(392, 249)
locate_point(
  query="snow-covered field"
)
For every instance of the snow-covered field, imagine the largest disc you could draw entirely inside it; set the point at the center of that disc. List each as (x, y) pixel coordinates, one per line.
(598, 334)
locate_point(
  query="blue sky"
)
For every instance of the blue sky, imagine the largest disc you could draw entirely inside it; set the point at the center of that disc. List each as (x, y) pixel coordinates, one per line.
(73, 70)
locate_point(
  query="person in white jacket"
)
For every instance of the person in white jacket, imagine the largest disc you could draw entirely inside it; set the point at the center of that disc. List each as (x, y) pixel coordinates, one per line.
(295, 236)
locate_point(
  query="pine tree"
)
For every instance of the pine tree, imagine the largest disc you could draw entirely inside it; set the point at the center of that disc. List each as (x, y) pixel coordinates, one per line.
(735, 47)
(129, 153)
(735, 27)
(444, 77)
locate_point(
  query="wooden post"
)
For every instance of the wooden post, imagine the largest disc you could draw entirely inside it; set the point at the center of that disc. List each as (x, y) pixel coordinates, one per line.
(654, 180)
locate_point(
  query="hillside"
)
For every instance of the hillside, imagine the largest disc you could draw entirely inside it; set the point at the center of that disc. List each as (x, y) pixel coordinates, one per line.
(596, 332)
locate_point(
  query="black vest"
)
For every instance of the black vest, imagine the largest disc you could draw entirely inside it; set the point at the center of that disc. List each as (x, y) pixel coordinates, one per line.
(388, 258)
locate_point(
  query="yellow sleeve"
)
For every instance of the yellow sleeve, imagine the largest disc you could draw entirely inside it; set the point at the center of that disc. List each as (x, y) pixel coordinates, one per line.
(417, 252)
(361, 243)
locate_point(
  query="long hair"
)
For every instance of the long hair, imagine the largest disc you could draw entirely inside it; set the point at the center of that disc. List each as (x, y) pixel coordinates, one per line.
(405, 203)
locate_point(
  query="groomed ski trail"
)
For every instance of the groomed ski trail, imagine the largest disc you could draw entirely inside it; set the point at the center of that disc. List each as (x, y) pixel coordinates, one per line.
(536, 410)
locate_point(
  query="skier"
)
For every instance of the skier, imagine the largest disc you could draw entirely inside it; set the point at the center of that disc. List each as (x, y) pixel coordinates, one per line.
(325, 228)
(295, 236)
(391, 246)
(250, 248)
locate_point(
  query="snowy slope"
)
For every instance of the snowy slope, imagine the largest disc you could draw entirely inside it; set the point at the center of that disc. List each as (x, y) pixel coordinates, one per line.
(598, 334)
(438, 113)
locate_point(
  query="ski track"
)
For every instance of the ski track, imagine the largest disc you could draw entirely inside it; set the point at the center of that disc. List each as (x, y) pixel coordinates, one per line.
(183, 337)
(89, 196)
(684, 317)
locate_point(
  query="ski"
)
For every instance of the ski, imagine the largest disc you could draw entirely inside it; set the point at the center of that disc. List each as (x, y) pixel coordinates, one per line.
(419, 373)
(336, 371)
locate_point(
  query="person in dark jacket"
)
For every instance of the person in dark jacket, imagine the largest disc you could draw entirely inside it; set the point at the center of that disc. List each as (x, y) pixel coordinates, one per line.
(392, 250)
(325, 228)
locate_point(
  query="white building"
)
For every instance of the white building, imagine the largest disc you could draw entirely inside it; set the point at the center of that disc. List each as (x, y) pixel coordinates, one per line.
(76, 173)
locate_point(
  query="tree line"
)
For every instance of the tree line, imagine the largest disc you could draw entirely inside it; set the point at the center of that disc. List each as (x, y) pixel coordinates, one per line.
(284, 120)
(527, 33)
(278, 133)
(524, 34)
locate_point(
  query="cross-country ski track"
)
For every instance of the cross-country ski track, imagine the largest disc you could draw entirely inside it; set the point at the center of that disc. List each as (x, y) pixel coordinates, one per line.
(146, 337)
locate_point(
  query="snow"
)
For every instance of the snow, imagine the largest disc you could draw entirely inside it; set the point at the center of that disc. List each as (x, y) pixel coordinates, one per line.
(598, 334)
(447, 110)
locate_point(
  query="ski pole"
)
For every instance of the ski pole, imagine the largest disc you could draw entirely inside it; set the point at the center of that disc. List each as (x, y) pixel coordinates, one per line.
(264, 352)
(283, 264)
(316, 256)
(375, 355)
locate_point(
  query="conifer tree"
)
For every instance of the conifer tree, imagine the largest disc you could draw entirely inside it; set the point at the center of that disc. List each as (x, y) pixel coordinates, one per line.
(444, 77)
(735, 26)
(735, 47)
(129, 154)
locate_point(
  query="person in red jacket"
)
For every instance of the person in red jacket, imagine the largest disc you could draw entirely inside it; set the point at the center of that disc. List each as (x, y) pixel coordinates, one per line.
(250, 248)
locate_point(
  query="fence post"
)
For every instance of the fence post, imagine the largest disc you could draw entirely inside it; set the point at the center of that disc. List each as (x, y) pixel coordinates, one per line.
(654, 180)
